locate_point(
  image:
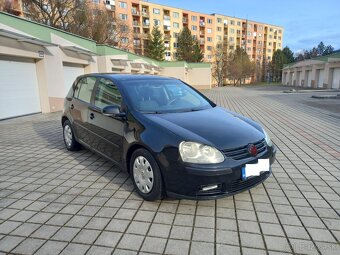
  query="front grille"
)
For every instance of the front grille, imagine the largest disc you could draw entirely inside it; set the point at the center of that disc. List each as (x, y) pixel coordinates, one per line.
(239, 185)
(242, 152)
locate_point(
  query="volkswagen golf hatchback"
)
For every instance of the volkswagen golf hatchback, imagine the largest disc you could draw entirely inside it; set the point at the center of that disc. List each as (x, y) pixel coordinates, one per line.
(170, 138)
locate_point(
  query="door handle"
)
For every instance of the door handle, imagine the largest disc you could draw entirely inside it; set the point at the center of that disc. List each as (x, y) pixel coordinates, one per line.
(91, 116)
(72, 106)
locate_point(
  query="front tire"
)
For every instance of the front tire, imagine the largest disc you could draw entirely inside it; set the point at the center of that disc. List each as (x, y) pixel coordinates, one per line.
(146, 175)
(69, 139)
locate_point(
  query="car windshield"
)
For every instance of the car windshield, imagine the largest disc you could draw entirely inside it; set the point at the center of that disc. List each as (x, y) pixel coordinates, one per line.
(164, 96)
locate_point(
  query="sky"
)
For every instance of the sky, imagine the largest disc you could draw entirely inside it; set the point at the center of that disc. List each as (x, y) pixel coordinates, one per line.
(305, 22)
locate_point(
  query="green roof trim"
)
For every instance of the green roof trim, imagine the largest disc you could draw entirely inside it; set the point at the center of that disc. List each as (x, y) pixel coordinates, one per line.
(173, 64)
(199, 65)
(44, 32)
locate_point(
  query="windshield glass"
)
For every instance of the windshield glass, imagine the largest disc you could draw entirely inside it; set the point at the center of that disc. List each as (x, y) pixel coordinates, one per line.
(163, 96)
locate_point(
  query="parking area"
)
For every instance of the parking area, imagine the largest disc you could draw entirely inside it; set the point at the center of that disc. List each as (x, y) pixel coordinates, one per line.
(53, 201)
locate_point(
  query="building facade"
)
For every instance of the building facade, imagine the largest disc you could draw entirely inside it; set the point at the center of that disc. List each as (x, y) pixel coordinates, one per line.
(319, 72)
(260, 40)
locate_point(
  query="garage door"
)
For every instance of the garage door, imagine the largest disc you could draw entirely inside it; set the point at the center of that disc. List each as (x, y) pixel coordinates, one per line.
(71, 72)
(336, 78)
(19, 88)
(320, 79)
(309, 78)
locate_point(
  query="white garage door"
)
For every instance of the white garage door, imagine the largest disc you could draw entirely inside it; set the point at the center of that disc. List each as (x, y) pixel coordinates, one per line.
(320, 79)
(70, 74)
(19, 88)
(309, 78)
(336, 78)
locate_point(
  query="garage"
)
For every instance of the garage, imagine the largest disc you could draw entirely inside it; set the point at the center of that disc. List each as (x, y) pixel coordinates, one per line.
(336, 78)
(71, 72)
(309, 78)
(320, 78)
(19, 88)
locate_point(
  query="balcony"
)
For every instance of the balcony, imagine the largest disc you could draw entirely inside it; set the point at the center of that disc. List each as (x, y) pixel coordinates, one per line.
(202, 23)
(202, 41)
(136, 24)
(166, 17)
(137, 35)
(202, 33)
(145, 36)
(145, 14)
(185, 20)
(166, 28)
(135, 12)
(146, 24)
(110, 7)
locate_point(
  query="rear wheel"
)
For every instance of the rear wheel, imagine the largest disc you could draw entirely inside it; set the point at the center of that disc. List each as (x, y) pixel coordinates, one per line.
(146, 175)
(69, 140)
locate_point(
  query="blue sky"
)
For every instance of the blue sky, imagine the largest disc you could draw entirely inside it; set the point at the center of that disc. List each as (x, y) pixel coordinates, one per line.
(305, 22)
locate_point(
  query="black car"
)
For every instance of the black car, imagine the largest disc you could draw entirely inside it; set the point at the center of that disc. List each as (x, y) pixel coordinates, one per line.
(170, 138)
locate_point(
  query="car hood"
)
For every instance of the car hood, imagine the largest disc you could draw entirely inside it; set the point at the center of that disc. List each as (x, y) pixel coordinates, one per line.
(216, 127)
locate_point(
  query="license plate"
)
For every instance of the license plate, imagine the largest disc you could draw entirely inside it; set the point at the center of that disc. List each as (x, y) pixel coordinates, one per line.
(255, 169)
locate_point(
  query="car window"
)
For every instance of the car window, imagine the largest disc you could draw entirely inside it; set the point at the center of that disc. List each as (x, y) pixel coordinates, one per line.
(84, 89)
(107, 93)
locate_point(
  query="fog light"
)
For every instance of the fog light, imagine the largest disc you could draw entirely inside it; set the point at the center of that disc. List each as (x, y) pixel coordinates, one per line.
(209, 187)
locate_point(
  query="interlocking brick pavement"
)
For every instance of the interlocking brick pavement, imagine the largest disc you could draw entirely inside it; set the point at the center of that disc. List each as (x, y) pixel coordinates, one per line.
(53, 201)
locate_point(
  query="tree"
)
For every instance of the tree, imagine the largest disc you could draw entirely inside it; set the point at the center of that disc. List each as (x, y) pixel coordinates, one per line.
(278, 60)
(185, 45)
(221, 60)
(328, 50)
(289, 54)
(320, 48)
(240, 67)
(156, 48)
(57, 14)
(197, 53)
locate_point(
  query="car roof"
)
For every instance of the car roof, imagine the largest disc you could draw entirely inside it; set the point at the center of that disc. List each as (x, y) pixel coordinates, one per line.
(125, 77)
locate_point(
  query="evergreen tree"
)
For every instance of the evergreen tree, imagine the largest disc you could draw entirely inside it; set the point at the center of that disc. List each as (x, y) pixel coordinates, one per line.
(156, 48)
(185, 45)
(197, 53)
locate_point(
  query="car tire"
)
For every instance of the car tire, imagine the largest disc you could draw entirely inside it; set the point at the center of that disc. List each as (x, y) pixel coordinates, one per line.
(143, 166)
(69, 139)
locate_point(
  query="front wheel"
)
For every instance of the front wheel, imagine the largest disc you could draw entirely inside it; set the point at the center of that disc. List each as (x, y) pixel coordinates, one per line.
(146, 175)
(69, 140)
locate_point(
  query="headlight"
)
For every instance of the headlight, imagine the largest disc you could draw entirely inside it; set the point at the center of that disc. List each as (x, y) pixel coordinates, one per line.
(267, 138)
(192, 152)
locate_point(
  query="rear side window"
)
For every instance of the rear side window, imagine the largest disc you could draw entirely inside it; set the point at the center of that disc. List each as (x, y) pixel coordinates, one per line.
(107, 93)
(84, 89)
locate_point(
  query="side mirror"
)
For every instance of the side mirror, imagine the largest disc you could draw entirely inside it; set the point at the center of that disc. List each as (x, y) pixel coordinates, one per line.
(113, 111)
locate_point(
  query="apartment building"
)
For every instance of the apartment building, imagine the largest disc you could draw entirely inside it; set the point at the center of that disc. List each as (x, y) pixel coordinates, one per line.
(260, 40)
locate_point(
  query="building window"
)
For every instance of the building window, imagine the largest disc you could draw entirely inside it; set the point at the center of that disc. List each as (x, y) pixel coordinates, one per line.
(249, 33)
(156, 22)
(156, 11)
(219, 38)
(123, 5)
(209, 47)
(219, 20)
(269, 50)
(232, 31)
(260, 27)
(209, 57)
(193, 18)
(168, 54)
(209, 21)
(231, 47)
(248, 49)
(123, 16)
(125, 40)
(270, 44)
(175, 15)
(175, 45)
(248, 41)
(209, 30)
(219, 29)
(279, 37)
(271, 29)
(260, 35)
(209, 39)
(194, 28)
(232, 22)
(279, 44)
(249, 26)
(280, 31)
(270, 37)
(231, 39)
(176, 25)
(176, 35)
(239, 23)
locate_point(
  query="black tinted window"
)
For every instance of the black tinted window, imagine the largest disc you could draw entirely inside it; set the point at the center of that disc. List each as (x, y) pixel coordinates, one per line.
(107, 94)
(84, 89)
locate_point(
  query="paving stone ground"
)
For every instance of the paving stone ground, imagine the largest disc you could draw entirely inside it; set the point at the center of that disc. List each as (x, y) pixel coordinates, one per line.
(57, 202)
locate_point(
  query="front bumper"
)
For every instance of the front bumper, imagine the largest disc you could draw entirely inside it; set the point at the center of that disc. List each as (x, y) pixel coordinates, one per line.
(187, 180)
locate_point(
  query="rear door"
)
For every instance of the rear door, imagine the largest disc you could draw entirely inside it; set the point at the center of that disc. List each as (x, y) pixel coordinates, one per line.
(79, 107)
(107, 131)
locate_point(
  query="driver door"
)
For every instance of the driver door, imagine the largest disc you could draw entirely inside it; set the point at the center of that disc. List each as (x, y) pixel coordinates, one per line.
(108, 132)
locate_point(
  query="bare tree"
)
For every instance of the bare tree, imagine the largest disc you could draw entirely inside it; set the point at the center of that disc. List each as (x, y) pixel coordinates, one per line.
(122, 35)
(221, 60)
(54, 13)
